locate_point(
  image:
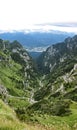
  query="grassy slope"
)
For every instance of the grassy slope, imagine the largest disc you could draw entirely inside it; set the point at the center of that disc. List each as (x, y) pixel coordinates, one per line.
(8, 120)
(11, 78)
(68, 122)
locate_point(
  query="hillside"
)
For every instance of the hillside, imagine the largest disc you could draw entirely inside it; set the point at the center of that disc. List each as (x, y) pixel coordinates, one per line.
(18, 75)
(59, 66)
(43, 97)
(59, 63)
(62, 53)
(8, 119)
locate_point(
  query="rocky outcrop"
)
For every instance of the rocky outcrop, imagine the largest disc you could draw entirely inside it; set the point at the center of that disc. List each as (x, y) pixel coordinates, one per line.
(58, 54)
(3, 93)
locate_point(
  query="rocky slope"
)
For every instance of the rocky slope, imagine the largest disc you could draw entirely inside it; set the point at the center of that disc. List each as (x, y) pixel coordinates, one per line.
(59, 63)
(58, 54)
(17, 70)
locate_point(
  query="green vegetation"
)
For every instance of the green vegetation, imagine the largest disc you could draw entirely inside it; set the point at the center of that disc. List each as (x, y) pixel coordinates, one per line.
(66, 121)
(8, 119)
(18, 102)
(46, 102)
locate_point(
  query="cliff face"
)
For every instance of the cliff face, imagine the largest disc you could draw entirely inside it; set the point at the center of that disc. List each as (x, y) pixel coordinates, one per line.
(58, 54)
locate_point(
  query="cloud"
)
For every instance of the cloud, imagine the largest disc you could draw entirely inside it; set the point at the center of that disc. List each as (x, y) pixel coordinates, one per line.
(47, 27)
(23, 14)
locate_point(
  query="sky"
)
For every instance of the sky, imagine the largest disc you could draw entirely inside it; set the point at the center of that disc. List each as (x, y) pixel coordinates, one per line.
(38, 15)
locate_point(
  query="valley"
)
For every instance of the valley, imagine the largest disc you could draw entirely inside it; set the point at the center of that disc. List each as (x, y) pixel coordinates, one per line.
(42, 93)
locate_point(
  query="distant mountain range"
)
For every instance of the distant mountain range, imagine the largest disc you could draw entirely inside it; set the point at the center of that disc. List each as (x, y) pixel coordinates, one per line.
(35, 42)
(35, 39)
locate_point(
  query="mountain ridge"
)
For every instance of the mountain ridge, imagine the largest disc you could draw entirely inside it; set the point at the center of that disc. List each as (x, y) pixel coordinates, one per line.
(35, 39)
(58, 53)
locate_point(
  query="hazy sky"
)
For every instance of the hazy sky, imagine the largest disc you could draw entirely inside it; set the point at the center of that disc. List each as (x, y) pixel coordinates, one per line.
(24, 14)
